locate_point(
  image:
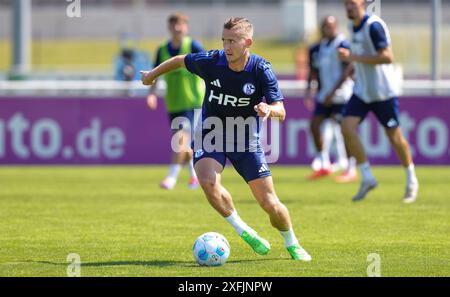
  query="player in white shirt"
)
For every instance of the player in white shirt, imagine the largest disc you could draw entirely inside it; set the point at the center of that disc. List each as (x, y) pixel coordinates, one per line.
(376, 90)
(334, 89)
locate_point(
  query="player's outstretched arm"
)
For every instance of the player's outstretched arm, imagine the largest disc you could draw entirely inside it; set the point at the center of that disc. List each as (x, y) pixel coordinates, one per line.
(348, 71)
(383, 56)
(148, 77)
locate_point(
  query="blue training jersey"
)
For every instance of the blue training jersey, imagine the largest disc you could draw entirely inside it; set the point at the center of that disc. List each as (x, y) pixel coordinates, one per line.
(231, 94)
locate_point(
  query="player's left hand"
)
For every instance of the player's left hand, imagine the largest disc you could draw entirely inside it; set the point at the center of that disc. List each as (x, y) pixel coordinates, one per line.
(344, 54)
(263, 110)
(147, 78)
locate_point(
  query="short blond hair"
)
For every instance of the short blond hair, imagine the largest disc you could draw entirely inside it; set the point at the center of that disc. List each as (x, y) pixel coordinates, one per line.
(241, 25)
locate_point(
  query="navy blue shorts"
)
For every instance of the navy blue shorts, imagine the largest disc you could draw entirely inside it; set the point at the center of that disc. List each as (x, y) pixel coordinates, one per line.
(386, 111)
(335, 110)
(188, 116)
(249, 165)
(327, 111)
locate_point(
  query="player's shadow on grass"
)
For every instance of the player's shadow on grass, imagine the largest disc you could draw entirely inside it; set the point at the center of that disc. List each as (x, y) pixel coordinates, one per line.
(254, 260)
(139, 263)
(126, 263)
(155, 263)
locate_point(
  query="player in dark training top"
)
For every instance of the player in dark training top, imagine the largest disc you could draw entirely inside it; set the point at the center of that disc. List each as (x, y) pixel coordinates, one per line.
(237, 82)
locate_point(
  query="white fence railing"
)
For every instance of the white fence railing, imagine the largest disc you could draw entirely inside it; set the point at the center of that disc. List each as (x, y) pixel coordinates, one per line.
(135, 88)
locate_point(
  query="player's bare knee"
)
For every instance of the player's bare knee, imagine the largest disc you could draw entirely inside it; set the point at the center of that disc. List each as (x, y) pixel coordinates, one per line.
(396, 138)
(393, 139)
(208, 182)
(271, 204)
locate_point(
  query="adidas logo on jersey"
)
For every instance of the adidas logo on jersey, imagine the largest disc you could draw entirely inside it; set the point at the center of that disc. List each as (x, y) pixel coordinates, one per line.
(216, 83)
(263, 168)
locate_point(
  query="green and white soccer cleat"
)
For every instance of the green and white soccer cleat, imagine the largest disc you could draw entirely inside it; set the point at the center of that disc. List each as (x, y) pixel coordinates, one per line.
(298, 253)
(258, 244)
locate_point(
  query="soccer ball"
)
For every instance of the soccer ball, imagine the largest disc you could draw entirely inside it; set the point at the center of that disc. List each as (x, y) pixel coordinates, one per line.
(211, 249)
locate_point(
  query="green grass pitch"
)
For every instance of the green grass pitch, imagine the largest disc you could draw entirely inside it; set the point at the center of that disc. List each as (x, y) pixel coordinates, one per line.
(122, 224)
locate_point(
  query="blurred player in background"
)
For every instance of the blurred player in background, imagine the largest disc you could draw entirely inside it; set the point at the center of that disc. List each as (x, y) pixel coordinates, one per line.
(236, 82)
(334, 89)
(184, 93)
(376, 90)
(128, 70)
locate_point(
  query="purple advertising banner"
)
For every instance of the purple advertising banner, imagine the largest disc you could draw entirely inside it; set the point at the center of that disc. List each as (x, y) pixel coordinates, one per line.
(125, 131)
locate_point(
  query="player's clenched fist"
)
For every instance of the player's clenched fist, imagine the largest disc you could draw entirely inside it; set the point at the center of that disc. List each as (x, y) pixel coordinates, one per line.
(147, 78)
(344, 54)
(263, 110)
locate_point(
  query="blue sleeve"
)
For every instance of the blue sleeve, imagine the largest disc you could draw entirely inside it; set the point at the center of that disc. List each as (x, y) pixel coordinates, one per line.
(158, 58)
(196, 47)
(344, 44)
(198, 62)
(378, 36)
(270, 88)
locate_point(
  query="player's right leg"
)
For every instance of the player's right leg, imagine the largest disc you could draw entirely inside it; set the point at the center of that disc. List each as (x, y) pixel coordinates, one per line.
(180, 127)
(349, 173)
(337, 138)
(209, 170)
(181, 124)
(387, 113)
(253, 168)
(316, 123)
(320, 114)
(209, 167)
(356, 111)
(264, 192)
(191, 116)
(180, 156)
(403, 151)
